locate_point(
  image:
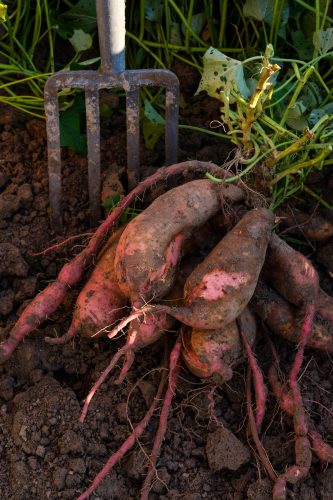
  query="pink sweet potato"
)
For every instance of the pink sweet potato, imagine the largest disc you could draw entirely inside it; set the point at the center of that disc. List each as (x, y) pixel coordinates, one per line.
(312, 226)
(146, 330)
(101, 302)
(213, 353)
(150, 248)
(283, 318)
(294, 277)
(221, 286)
(290, 273)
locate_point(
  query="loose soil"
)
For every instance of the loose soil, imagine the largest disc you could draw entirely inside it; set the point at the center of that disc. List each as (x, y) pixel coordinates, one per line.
(45, 453)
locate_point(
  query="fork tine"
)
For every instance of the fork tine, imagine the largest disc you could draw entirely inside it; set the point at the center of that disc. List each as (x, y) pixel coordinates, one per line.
(54, 153)
(133, 137)
(94, 156)
(171, 123)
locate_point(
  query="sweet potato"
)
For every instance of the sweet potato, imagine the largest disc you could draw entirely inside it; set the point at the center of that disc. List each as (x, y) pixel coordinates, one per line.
(283, 318)
(294, 277)
(290, 273)
(213, 353)
(221, 286)
(149, 250)
(101, 302)
(314, 226)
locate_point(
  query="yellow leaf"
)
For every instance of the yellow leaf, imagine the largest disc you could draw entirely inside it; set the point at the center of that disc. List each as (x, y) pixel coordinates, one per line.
(3, 11)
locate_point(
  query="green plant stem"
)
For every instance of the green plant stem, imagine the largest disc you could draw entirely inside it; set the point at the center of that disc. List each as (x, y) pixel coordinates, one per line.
(303, 164)
(317, 25)
(181, 48)
(187, 26)
(147, 49)
(276, 127)
(49, 31)
(308, 6)
(317, 197)
(189, 23)
(204, 131)
(142, 19)
(224, 11)
(298, 90)
(323, 21)
(238, 176)
(186, 61)
(294, 147)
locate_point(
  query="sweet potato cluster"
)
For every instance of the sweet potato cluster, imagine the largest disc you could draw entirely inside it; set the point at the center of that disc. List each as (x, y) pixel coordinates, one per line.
(160, 268)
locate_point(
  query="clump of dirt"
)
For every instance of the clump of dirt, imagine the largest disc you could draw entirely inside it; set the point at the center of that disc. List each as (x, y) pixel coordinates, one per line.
(44, 451)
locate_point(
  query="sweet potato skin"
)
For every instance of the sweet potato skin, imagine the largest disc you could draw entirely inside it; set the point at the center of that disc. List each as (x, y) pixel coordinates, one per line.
(290, 273)
(221, 286)
(315, 227)
(150, 247)
(101, 302)
(213, 353)
(283, 318)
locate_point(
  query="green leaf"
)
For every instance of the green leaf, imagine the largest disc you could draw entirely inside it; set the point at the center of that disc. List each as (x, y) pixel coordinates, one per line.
(315, 115)
(175, 34)
(197, 24)
(222, 75)
(140, 57)
(311, 95)
(3, 12)
(71, 125)
(323, 40)
(284, 21)
(153, 10)
(81, 41)
(296, 119)
(89, 62)
(328, 108)
(81, 16)
(153, 125)
(303, 46)
(111, 203)
(261, 10)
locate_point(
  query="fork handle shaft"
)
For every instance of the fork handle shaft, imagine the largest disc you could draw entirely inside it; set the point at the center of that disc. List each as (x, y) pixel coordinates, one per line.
(111, 34)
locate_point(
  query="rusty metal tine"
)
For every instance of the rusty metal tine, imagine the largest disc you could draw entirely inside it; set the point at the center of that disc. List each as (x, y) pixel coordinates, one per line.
(133, 137)
(171, 123)
(54, 153)
(94, 155)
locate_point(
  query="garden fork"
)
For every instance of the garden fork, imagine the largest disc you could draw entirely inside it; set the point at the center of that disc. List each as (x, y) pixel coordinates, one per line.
(112, 74)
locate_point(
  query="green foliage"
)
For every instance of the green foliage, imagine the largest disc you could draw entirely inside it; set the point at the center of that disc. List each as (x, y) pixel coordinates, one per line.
(111, 204)
(153, 125)
(266, 112)
(72, 126)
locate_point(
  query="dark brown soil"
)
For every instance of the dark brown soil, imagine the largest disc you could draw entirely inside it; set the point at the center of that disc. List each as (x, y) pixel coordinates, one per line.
(45, 453)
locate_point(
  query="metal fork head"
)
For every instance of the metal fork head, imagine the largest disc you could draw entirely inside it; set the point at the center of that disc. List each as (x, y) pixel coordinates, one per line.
(92, 82)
